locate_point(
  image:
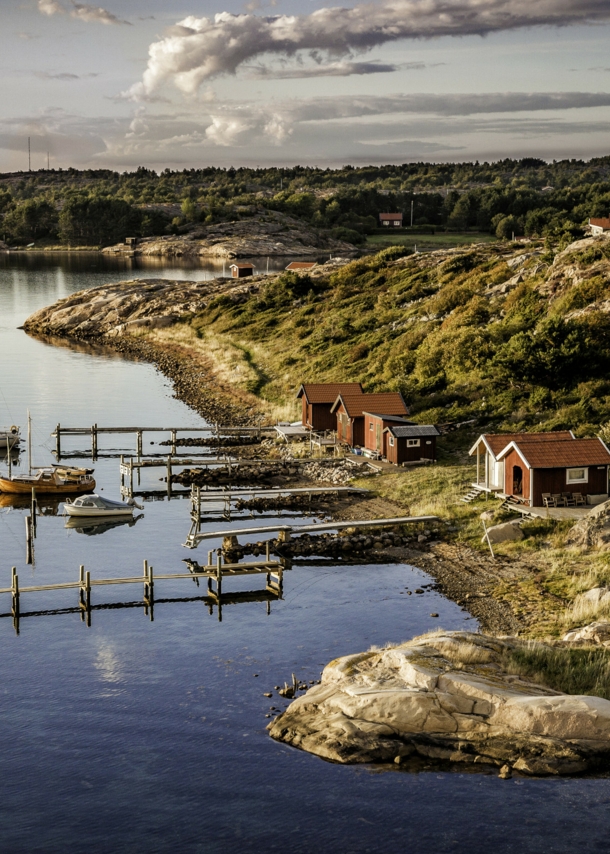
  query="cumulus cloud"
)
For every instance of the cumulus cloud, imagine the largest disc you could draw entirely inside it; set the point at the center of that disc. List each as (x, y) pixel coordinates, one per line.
(82, 11)
(197, 49)
(50, 7)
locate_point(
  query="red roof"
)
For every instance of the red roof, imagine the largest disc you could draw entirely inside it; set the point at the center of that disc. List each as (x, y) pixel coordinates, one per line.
(390, 403)
(327, 392)
(561, 454)
(390, 216)
(301, 265)
(498, 441)
(602, 222)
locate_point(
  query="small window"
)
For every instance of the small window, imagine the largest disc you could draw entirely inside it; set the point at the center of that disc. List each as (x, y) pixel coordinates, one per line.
(428, 441)
(370, 425)
(412, 443)
(391, 441)
(577, 475)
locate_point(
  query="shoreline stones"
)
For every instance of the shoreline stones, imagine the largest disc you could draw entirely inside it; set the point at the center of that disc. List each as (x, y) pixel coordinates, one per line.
(446, 698)
(320, 545)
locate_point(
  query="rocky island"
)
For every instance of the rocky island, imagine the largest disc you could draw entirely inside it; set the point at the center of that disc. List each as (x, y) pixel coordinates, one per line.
(262, 233)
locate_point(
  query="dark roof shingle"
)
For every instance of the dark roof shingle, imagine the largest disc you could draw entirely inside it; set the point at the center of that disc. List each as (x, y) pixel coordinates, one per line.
(413, 432)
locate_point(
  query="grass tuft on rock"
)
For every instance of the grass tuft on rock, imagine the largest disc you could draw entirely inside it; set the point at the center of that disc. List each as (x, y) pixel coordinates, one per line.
(566, 669)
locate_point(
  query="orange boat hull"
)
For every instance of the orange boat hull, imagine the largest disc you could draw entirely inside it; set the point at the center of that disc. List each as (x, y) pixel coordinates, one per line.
(16, 487)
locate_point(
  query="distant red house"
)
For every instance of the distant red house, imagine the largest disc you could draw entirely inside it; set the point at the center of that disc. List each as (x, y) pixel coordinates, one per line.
(375, 424)
(599, 225)
(390, 220)
(349, 410)
(238, 271)
(410, 443)
(533, 469)
(317, 400)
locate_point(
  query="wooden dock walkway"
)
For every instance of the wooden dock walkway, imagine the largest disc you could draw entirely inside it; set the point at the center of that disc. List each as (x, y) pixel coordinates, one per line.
(94, 431)
(212, 571)
(286, 531)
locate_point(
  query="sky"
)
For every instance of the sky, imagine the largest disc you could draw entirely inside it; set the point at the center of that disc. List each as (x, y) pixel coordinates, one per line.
(190, 83)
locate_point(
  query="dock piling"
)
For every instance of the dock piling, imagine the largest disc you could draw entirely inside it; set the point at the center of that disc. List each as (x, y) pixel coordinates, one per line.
(34, 511)
(29, 551)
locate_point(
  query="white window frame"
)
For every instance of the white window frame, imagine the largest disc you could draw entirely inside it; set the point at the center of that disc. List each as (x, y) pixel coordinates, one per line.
(413, 443)
(570, 478)
(370, 425)
(391, 441)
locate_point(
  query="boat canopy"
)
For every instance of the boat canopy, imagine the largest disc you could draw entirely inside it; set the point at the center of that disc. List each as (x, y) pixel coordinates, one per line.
(100, 503)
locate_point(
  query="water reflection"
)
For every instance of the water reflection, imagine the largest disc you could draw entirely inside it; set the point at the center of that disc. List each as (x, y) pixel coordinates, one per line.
(93, 525)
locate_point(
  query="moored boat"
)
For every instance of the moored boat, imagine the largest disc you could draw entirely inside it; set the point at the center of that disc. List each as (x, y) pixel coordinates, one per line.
(49, 480)
(9, 438)
(98, 506)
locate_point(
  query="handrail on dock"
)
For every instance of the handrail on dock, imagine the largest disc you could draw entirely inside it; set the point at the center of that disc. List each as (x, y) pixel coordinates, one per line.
(212, 571)
(193, 540)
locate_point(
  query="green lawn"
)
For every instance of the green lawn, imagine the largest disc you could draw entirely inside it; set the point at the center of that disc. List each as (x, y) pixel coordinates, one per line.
(425, 241)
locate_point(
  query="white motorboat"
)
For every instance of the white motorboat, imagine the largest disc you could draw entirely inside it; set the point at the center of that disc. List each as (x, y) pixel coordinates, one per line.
(96, 505)
(9, 438)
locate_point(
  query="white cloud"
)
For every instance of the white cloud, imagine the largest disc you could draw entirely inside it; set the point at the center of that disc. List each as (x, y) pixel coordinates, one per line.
(197, 49)
(50, 7)
(81, 11)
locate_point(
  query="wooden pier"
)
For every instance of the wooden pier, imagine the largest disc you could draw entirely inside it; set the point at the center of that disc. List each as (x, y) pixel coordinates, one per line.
(94, 431)
(129, 465)
(285, 531)
(213, 571)
(227, 497)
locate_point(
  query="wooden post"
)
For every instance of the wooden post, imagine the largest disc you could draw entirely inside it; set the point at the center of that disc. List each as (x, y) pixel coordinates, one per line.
(88, 596)
(28, 539)
(94, 441)
(130, 477)
(58, 442)
(210, 559)
(174, 443)
(139, 435)
(15, 590)
(169, 477)
(219, 583)
(267, 552)
(34, 511)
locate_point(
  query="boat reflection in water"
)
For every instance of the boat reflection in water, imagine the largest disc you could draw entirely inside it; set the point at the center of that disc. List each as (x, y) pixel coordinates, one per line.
(92, 525)
(47, 505)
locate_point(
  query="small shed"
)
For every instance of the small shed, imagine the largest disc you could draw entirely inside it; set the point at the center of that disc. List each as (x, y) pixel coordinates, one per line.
(411, 444)
(301, 266)
(488, 447)
(239, 271)
(599, 225)
(533, 470)
(390, 220)
(349, 410)
(131, 241)
(317, 400)
(375, 438)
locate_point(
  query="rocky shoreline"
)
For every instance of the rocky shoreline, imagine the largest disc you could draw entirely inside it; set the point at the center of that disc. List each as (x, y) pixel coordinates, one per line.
(446, 698)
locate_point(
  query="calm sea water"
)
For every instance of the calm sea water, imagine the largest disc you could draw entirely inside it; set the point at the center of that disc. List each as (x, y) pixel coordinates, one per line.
(140, 736)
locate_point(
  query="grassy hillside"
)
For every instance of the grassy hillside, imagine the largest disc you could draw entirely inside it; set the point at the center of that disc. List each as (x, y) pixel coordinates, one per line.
(517, 337)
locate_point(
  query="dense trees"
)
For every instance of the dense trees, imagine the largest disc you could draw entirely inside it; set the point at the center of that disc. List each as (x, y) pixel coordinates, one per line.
(525, 196)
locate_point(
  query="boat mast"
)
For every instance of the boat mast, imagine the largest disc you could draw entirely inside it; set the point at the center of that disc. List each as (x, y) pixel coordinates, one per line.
(8, 457)
(29, 443)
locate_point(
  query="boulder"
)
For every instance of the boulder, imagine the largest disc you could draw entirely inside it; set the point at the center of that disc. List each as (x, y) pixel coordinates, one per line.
(598, 632)
(502, 533)
(446, 697)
